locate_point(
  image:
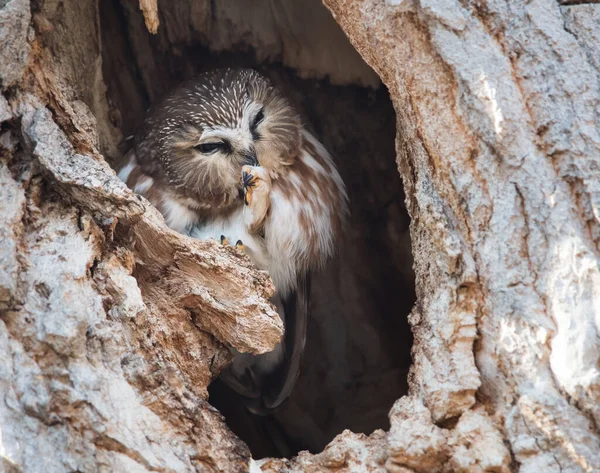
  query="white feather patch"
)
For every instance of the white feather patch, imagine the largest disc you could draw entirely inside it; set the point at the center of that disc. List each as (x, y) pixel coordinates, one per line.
(143, 184)
(178, 217)
(126, 170)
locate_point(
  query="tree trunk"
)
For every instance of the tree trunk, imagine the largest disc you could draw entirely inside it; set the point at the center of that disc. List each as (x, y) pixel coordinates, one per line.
(112, 326)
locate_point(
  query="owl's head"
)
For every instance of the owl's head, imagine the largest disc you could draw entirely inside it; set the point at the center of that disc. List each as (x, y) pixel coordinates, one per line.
(203, 132)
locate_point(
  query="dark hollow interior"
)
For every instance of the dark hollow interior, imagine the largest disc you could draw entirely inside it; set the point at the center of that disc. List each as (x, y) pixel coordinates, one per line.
(358, 349)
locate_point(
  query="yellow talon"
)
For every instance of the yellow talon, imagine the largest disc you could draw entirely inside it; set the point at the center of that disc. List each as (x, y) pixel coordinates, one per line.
(240, 246)
(224, 241)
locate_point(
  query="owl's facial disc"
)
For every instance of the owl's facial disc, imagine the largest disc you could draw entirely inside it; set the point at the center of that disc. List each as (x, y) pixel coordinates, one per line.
(233, 144)
(212, 126)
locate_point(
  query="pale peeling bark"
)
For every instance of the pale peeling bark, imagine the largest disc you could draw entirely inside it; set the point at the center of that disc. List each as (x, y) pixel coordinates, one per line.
(112, 326)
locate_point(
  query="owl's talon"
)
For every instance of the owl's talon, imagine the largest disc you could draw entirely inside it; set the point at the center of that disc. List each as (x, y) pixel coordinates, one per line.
(240, 246)
(248, 181)
(224, 241)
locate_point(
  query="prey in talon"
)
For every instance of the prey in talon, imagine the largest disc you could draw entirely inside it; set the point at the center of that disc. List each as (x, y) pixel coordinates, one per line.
(195, 157)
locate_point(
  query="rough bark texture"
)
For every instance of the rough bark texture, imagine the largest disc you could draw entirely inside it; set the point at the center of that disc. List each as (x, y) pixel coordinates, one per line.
(498, 147)
(112, 326)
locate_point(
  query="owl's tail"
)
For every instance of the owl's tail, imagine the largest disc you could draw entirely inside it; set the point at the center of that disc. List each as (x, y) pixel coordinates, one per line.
(265, 381)
(280, 384)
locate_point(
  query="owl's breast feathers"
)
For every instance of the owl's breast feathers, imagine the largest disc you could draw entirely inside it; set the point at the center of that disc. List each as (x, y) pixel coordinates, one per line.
(306, 216)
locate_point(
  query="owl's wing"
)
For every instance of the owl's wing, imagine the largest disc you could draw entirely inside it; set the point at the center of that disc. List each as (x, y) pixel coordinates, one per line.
(265, 381)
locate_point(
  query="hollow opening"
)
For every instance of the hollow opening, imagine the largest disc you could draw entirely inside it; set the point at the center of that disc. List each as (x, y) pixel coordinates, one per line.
(358, 347)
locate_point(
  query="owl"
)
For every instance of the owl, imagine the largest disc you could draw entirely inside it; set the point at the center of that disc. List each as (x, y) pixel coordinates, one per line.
(226, 156)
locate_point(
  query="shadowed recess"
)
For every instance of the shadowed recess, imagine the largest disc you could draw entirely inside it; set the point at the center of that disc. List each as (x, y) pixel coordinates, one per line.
(358, 349)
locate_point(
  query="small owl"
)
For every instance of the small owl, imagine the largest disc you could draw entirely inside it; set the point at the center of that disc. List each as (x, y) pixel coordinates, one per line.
(225, 156)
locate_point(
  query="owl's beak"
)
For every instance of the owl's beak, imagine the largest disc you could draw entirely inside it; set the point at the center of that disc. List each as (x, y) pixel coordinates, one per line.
(250, 159)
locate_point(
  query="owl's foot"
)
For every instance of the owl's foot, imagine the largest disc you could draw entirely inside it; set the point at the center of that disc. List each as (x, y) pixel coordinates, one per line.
(255, 180)
(256, 184)
(248, 182)
(239, 245)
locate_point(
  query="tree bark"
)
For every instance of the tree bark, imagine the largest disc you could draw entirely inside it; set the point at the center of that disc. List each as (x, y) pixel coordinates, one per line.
(112, 326)
(498, 147)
